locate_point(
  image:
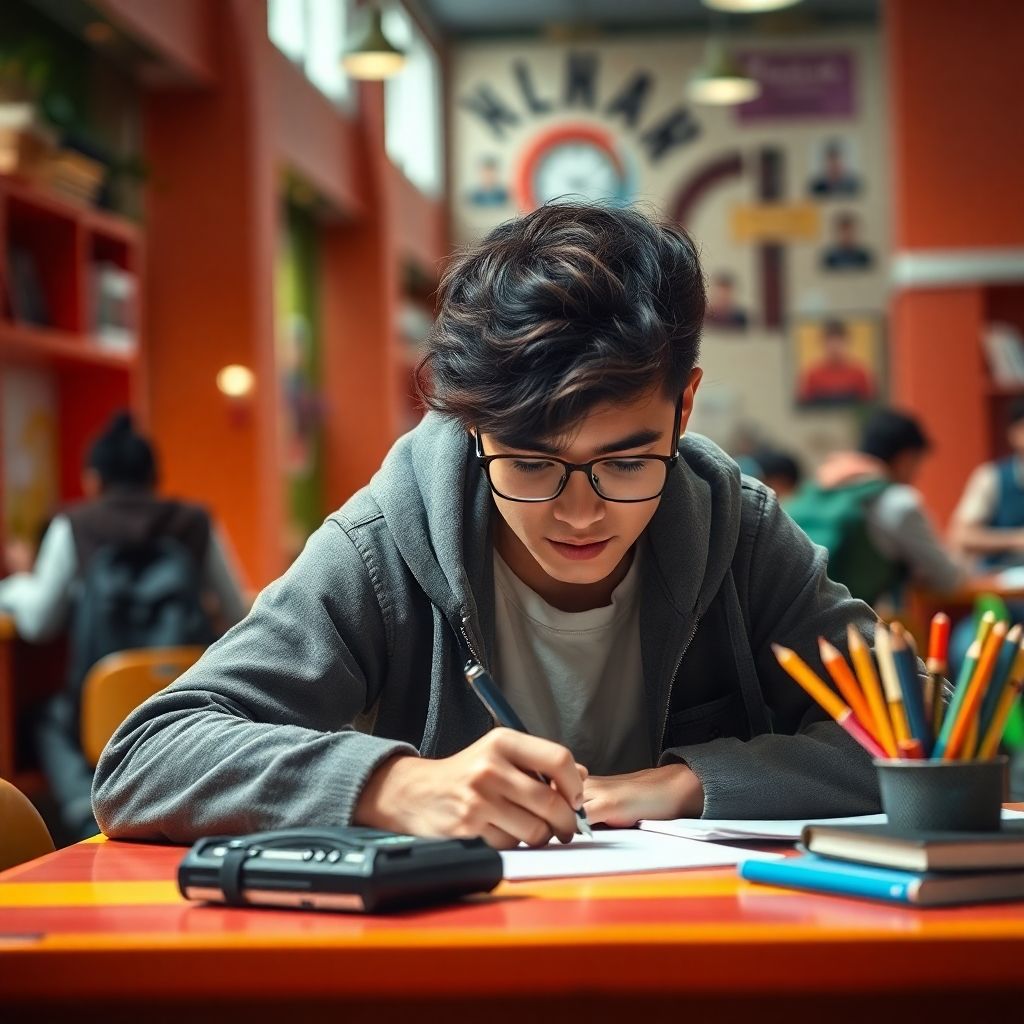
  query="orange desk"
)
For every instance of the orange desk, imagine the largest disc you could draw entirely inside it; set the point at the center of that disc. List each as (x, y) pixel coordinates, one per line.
(100, 925)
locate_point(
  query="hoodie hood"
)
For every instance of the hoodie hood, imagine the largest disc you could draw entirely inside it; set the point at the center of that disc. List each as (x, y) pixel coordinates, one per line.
(437, 506)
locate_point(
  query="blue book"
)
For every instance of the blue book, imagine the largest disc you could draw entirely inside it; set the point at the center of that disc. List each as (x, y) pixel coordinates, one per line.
(922, 889)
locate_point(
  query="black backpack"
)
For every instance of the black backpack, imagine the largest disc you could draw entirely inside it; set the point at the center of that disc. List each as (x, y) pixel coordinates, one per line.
(132, 596)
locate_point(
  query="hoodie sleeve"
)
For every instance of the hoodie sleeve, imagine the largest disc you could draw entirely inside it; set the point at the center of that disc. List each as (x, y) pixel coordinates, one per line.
(807, 766)
(258, 734)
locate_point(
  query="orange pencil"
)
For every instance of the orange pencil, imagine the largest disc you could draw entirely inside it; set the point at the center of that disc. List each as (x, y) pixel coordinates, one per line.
(844, 678)
(860, 653)
(818, 689)
(975, 691)
(891, 683)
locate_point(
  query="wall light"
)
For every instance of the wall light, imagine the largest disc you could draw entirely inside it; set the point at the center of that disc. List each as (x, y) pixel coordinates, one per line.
(373, 57)
(749, 6)
(236, 381)
(722, 80)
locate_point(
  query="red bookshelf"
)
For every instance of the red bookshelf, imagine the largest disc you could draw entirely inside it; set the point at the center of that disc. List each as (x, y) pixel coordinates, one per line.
(50, 249)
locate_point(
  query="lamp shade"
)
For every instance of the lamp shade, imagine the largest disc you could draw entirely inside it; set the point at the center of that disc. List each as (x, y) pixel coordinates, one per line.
(748, 6)
(722, 80)
(372, 57)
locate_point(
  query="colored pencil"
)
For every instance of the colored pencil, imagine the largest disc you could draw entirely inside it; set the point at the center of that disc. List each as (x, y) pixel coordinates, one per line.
(975, 691)
(910, 688)
(938, 665)
(891, 683)
(1004, 705)
(911, 750)
(860, 654)
(818, 689)
(963, 680)
(844, 678)
(1000, 675)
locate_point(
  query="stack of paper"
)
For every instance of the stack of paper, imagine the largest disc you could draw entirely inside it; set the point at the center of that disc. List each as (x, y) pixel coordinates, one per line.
(620, 851)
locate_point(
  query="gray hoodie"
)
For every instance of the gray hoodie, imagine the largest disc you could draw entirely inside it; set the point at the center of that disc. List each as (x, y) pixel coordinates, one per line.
(355, 654)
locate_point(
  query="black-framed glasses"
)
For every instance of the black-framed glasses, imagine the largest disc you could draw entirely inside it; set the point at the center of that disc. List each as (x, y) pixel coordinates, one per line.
(625, 478)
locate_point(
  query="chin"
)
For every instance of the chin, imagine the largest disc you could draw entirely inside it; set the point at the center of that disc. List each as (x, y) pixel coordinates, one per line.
(582, 572)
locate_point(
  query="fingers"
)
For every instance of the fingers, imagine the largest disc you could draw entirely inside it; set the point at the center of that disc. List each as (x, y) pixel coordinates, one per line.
(497, 839)
(543, 804)
(533, 754)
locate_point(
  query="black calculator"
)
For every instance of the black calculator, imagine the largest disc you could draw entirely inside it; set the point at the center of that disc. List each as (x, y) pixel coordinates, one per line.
(354, 869)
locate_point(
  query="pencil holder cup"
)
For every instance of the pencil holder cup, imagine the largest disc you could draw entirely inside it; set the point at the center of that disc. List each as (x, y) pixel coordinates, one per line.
(943, 796)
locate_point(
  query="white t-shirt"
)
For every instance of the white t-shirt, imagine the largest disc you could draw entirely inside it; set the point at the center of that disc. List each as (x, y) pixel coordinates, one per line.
(575, 677)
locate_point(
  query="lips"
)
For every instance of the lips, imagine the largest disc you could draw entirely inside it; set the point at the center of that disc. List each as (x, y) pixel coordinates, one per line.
(579, 551)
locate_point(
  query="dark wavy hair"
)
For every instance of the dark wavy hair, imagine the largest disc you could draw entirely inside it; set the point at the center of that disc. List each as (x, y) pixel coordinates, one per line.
(560, 310)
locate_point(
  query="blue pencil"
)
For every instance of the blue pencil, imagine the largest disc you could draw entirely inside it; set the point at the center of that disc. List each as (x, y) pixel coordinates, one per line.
(1007, 656)
(910, 688)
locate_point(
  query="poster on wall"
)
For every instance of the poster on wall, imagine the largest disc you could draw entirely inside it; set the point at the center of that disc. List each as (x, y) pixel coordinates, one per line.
(845, 250)
(837, 360)
(834, 169)
(799, 84)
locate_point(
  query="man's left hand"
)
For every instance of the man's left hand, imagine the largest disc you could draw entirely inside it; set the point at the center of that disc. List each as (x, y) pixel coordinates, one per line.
(659, 794)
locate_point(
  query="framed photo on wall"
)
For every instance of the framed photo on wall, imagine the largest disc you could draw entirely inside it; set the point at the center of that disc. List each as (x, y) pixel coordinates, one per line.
(837, 360)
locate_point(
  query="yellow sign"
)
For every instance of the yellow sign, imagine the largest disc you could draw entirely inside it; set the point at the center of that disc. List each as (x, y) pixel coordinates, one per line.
(776, 222)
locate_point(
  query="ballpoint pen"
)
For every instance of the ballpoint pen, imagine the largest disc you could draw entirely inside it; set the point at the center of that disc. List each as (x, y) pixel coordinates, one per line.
(504, 714)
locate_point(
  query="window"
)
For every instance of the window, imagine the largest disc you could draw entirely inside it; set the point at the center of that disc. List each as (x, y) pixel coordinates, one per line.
(311, 33)
(412, 105)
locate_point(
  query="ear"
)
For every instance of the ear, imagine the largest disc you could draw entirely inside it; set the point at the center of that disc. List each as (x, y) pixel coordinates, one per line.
(696, 375)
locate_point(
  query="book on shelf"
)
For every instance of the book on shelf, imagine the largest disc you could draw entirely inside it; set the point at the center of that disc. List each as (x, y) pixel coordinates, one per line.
(812, 873)
(113, 294)
(920, 851)
(1004, 351)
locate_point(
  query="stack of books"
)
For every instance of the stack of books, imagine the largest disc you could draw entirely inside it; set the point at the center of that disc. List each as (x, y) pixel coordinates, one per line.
(922, 869)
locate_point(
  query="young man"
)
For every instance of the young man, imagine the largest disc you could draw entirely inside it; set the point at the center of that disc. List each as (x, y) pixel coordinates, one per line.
(620, 581)
(866, 500)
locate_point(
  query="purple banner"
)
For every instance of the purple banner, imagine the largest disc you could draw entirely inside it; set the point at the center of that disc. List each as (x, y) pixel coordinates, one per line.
(803, 83)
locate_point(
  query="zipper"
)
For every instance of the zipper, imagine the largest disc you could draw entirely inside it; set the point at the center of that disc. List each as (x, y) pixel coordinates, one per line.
(668, 699)
(469, 643)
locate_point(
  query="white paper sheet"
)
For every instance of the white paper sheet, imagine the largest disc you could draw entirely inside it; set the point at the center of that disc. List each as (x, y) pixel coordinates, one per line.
(743, 830)
(619, 851)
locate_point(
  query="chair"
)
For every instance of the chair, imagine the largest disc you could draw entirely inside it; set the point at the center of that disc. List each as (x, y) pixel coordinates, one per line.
(117, 684)
(23, 835)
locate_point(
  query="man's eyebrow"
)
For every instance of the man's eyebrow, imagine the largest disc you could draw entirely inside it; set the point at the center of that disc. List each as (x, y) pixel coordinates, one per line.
(638, 439)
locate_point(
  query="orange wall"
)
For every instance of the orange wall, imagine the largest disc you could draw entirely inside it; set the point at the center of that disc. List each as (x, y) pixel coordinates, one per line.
(957, 144)
(179, 31)
(217, 154)
(211, 226)
(955, 72)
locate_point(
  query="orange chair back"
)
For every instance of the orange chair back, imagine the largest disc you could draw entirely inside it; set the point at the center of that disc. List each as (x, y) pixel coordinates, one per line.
(23, 835)
(117, 684)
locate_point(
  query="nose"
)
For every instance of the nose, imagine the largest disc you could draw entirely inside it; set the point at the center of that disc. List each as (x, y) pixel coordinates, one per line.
(579, 504)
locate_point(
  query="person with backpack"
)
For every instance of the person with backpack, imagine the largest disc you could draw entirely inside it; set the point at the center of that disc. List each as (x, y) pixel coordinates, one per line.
(863, 509)
(552, 520)
(122, 569)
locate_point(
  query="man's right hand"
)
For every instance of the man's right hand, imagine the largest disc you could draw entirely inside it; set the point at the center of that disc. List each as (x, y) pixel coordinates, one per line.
(490, 789)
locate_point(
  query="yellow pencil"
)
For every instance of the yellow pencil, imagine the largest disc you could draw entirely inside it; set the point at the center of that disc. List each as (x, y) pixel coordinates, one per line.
(844, 679)
(860, 654)
(1011, 691)
(975, 691)
(891, 683)
(818, 689)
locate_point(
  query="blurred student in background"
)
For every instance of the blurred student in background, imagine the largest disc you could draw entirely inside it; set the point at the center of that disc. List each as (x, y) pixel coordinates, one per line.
(988, 524)
(863, 507)
(122, 547)
(779, 470)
